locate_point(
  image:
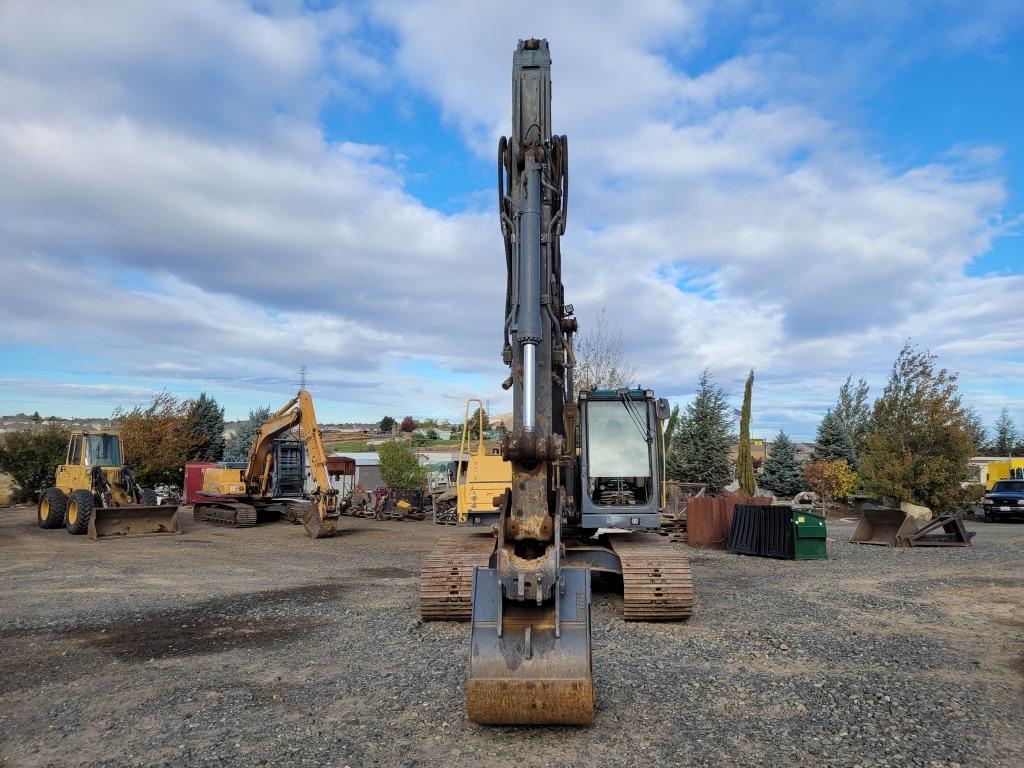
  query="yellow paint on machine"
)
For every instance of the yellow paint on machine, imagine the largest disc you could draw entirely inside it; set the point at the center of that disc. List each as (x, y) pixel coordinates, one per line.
(486, 474)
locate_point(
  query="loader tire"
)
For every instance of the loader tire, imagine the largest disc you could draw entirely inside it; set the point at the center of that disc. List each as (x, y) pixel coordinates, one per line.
(148, 497)
(52, 507)
(79, 512)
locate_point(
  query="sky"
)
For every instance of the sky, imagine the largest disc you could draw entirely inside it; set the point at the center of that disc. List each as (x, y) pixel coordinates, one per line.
(206, 196)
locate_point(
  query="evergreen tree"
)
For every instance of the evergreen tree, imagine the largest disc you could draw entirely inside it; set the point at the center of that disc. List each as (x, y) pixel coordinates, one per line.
(833, 441)
(703, 439)
(240, 443)
(387, 425)
(744, 461)
(473, 425)
(781, 474)
(920, 440)
(979, 434)
(1004, 434)
(854, 411)
(671, 424)
(206, 426)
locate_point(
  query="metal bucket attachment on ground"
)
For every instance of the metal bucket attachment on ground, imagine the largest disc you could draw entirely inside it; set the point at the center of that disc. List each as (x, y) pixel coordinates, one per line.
(317, 528)
(884, 526)
(133, 521)
(521, 672)
(953, 533)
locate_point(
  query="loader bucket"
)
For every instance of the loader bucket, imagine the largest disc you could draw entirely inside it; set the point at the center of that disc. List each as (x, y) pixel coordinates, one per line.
(884, 526)
(520, 671)
(133, 521)
(317, 528)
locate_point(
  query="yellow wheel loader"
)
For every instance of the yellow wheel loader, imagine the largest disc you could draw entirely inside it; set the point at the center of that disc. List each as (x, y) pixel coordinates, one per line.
(95, 493)
(482, 478)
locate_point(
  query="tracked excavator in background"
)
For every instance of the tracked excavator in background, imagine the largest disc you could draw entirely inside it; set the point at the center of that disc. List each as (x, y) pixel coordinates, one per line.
(578, 469)
(235, 496)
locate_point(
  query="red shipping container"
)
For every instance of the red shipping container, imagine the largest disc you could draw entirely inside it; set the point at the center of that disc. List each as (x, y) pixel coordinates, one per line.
(194, 479)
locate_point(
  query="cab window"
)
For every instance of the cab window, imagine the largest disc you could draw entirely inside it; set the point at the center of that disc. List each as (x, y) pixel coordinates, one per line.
(104, 450)
(618, 453)
(75, 451)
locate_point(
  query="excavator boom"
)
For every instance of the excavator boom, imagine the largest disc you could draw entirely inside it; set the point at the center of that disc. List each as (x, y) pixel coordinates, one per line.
(530, 637)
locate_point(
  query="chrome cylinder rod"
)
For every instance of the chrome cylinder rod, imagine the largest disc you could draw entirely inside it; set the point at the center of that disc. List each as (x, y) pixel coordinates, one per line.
(529, 386)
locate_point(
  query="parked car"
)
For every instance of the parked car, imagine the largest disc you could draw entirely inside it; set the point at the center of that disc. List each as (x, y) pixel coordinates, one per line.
(1006, 499)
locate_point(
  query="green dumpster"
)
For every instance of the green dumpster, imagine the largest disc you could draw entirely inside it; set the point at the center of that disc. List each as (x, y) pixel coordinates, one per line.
(808, 535)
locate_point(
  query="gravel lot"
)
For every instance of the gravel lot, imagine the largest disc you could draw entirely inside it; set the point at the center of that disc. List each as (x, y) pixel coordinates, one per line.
(261, 647)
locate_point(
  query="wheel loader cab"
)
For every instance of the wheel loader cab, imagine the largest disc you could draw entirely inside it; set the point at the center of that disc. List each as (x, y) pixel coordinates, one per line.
(620, 459)
(87, 450)
(95, 450)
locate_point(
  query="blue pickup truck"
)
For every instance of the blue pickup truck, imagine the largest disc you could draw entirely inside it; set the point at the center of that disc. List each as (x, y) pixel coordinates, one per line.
(1006, 499)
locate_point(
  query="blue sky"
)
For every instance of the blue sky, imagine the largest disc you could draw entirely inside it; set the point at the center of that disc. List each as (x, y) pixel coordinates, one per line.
(204, 197)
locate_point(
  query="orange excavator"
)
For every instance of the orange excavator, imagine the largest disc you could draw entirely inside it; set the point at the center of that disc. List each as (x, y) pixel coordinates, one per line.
(235, 496)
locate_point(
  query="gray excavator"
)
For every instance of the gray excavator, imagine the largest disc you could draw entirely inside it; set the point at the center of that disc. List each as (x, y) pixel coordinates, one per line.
(587, 476)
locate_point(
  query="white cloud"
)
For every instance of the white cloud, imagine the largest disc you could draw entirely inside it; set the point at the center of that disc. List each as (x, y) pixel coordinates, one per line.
(167, 167)
(811, 247)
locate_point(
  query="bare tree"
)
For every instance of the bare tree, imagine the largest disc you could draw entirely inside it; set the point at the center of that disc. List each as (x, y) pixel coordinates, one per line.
(601, 362)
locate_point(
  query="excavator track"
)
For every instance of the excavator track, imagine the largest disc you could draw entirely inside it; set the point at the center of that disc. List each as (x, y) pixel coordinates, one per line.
(228, 515)
(656, 581)
(446, 579)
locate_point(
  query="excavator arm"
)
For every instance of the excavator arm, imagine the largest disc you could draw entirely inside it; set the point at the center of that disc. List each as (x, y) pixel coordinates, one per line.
(530, 644)
(320, 521)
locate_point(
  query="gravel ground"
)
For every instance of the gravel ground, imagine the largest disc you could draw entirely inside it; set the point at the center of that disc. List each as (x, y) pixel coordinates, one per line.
(261, 647)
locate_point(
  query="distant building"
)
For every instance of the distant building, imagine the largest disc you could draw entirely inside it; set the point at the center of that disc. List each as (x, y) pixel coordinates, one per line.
(367, 468)
(987, 470)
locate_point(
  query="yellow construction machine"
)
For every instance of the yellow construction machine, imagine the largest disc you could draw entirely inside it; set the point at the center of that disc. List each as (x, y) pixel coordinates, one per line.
(481, 477)
(96, 493)
(235, 495)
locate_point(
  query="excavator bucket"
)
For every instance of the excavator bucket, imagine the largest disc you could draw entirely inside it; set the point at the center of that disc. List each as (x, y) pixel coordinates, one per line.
(530, 664)
(133, 521)
(884, 526)
(317, 528)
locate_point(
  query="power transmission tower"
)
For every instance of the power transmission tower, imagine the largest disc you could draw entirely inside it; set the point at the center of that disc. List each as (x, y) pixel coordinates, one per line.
(303, 380)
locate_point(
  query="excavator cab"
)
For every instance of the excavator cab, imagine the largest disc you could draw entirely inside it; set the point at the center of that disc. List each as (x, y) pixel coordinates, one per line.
(620, 459)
